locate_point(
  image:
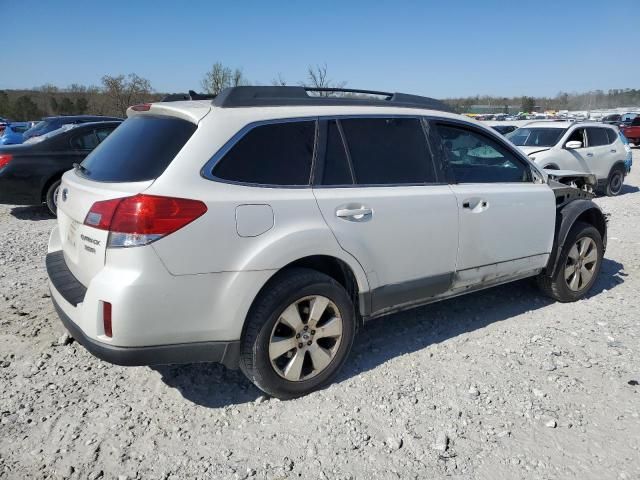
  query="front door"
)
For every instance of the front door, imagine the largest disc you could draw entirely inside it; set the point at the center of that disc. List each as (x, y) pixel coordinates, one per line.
(379, 193)
(506, 220)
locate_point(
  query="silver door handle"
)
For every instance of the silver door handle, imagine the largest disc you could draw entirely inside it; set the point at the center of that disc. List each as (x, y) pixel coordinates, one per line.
(354, 214)
(589, 154)
(613, 150)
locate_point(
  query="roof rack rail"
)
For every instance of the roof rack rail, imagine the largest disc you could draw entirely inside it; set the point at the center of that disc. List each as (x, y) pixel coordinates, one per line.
(278, 96)
(192, 95)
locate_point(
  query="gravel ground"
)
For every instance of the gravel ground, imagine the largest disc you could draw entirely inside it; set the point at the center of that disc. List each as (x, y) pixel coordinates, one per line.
(498, 384)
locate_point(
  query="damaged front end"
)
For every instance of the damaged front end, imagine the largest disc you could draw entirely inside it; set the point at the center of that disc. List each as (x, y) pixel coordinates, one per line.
(568, 185)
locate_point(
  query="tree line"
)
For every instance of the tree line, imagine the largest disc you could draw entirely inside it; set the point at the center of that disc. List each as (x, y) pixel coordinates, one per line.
(117, 92)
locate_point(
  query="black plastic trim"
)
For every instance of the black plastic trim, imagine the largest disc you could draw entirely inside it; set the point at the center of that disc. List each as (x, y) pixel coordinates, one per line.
(63, 280)
(393, 295)
(276, 96)
(227, 353)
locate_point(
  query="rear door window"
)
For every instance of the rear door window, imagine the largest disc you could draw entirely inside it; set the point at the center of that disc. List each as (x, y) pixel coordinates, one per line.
(388, 151)
(140, 149)
(84, 141)
(597, 137)
(337, 170)
(271, 154)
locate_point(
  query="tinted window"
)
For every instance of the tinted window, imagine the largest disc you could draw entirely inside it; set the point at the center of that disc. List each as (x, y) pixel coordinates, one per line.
(577, 136)
(141, 148)
(476, 158)
(274, 154)
(103, 133)
(336, 165)
(84, 141)
(597, 137)
(611, 134)
(388, 151)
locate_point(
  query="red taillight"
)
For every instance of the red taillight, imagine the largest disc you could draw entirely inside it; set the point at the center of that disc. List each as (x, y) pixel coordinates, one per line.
(141, 107)
(5, 158)
(141, 219)
(106, 319)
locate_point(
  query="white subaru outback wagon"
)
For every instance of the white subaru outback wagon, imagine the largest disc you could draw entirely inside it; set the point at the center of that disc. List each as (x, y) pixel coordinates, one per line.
(261, 228)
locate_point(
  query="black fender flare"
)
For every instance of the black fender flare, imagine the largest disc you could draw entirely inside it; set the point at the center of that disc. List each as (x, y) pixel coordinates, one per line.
(577, 210)
(619, 164)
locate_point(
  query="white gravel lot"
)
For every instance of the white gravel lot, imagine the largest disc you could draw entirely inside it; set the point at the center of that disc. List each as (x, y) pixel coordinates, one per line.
(498, 384)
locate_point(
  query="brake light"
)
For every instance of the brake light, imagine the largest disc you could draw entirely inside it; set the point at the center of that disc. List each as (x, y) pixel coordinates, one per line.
(5, 158)
(142, 219)
(106, 319)
(141, 107)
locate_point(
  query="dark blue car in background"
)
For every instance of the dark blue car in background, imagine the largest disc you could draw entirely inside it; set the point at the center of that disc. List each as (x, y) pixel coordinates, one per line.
(49, 124)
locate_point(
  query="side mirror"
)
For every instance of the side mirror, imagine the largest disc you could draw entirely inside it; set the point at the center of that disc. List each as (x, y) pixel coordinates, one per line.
(573, 145)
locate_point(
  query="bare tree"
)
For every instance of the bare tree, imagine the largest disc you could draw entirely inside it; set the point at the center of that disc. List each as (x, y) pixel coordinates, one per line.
(126, 91)
(221, 77)
(317, 77)
(279, 81)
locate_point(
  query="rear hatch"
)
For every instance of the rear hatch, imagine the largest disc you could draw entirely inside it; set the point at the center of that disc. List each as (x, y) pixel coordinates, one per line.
(125, 164)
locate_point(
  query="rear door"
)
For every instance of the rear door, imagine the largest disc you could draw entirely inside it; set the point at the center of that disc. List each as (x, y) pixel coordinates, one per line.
(506, 220)
(381, 196)
(605, 153)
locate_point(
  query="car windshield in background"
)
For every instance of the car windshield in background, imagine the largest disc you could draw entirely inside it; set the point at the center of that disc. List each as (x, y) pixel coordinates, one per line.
(536, 137)
(139, 149)
(38, 129)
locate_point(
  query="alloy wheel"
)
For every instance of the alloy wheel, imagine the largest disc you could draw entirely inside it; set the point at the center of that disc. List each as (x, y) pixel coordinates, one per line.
(581, 264)
(305, 339)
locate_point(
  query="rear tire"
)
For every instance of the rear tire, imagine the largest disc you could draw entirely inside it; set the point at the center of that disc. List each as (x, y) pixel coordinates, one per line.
(282, 342)
(577, 270)
(615, 182)
(51, 197)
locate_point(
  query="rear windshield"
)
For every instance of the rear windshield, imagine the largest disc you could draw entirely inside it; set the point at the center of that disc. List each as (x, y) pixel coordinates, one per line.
(536, 137)
(141, 148)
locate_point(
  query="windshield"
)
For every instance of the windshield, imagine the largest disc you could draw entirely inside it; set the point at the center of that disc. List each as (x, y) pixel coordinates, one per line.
(40, 128)
(536, 137)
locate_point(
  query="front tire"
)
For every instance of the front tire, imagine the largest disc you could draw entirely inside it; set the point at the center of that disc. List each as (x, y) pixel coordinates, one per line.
(51, 197)
(578, 265)
(615, 182)
(298, 333)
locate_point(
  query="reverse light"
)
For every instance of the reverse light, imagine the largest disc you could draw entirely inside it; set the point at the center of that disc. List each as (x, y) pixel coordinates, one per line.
(5, 158)
(106, 319)
(142, 219)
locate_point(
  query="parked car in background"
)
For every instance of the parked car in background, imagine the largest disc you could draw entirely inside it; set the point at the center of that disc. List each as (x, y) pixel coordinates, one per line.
(613, 119)
(628, 162)
(13, 132)
(628, 117)
(504, 129)
(632, 131)
(3, 123)
(30, 173)
(263, 236)
(583, 147)
(49, 124)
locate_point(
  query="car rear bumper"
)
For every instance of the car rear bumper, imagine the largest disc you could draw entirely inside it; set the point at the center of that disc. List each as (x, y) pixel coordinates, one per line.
(226, 353)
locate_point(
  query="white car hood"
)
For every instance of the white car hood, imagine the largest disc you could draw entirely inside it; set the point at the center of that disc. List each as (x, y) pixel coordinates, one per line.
(530, 150)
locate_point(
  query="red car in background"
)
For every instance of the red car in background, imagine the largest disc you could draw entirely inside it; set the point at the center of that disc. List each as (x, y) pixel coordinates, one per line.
(632, 131)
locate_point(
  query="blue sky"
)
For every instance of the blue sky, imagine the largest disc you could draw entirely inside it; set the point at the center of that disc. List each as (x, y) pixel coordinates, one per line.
(435, 48)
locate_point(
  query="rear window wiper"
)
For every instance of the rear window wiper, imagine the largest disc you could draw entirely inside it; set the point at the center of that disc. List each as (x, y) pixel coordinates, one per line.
(82, 168)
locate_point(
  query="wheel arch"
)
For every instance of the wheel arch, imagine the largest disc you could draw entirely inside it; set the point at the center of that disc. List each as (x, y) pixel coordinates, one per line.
(48, 182)
(581, 210)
